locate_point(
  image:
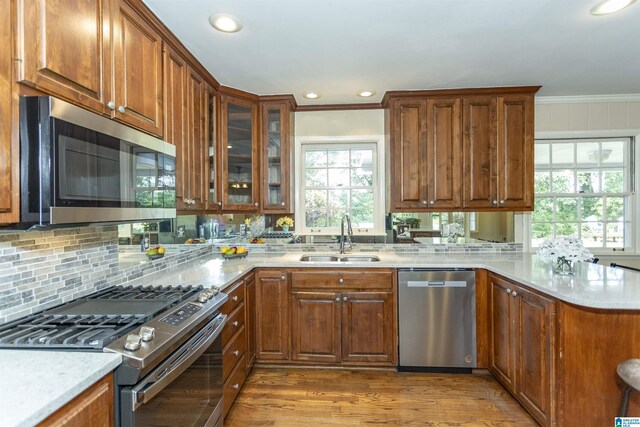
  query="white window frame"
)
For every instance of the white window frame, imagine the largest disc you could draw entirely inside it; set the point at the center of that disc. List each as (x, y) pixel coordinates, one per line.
(522, 221)
(378, 184)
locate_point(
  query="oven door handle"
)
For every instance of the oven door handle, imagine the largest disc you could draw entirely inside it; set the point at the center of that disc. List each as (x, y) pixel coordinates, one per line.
(169, 370)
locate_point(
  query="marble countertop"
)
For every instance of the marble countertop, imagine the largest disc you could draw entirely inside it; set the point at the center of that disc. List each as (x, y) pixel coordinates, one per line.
(35, 384)
(593, 285)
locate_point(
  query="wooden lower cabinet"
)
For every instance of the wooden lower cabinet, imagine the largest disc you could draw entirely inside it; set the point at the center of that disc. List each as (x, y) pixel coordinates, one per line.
(272, 315)
(522, 330)
(92, 408)
(343, 317)
(250, 319)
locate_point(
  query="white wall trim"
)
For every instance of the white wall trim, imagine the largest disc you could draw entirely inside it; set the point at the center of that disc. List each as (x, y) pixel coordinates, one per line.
(568, 134)
(583, 99)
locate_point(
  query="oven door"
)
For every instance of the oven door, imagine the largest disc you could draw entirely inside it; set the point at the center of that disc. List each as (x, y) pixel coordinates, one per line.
(184, 390)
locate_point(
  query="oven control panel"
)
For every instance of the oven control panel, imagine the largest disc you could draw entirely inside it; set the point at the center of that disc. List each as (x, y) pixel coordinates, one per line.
(181, 314)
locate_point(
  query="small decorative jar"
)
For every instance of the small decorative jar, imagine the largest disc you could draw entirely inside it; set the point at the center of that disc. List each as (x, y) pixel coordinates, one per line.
(563, 266)
(285, 228)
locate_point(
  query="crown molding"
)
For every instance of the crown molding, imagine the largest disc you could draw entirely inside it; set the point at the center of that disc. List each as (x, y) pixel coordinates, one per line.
(583, 99)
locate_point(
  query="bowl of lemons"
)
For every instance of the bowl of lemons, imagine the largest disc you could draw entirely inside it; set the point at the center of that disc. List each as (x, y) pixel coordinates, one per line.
(229, 252)
(155, 253)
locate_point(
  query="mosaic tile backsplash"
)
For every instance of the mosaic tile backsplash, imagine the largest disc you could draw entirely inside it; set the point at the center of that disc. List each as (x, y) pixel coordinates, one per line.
(42, 269)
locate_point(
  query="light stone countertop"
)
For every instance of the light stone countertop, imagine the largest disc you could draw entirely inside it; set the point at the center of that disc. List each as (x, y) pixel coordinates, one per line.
(593, 285)
(35, 383)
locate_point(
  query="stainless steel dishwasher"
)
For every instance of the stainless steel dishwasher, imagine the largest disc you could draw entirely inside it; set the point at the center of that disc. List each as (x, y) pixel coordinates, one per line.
(437, 320)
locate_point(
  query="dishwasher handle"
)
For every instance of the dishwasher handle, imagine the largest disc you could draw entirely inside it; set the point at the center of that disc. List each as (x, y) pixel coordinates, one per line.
(436, 284)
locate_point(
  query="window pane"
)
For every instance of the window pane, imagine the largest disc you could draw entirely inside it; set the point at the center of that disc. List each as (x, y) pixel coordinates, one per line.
(339, 158)
(613, 181)
(613, 153)
(542, 231)
(588, 182)
(588, 154)
(362, 158)
(361, 177)
(562, 153)
(615, 208)
(362, 200)
(615, 235)
(562, 181)
(316, 218)
(543, 210)
(566, 209)
(567, 229)
(541, 154)
(315, 199)
(542, 182)
(338, 206)
(338, 177)
(592, 208)
(362, 218)
(592, 234)
(316, 158)
(316, 178)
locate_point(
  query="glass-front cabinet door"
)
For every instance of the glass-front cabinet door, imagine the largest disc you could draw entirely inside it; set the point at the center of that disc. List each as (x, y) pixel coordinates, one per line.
(276, 153)
(240, 180)
(212, 184)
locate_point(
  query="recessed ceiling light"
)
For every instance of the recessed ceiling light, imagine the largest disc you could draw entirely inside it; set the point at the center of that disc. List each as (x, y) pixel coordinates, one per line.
(312, 95)
(225, 22)
(366, 93)
(610, 6)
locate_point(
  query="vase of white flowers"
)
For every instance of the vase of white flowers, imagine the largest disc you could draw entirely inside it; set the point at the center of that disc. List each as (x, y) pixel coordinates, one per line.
(563, 252)
(453, 231)
(285, 222)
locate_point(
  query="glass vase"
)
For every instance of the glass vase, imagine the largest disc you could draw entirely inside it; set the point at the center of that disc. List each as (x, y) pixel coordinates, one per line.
(564, 267)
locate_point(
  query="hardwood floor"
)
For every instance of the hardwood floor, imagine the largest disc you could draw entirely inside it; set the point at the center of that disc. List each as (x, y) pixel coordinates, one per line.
(315, 397)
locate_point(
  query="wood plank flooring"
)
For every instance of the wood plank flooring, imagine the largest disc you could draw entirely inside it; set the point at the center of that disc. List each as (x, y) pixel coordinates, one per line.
(318, 397)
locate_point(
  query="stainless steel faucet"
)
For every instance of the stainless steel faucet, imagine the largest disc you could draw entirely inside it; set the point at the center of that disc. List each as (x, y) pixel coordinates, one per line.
(344, 246)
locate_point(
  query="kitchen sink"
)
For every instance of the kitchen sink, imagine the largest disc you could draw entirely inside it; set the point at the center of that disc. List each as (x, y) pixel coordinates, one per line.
(319, 258)
(359, 259)
(333, 258)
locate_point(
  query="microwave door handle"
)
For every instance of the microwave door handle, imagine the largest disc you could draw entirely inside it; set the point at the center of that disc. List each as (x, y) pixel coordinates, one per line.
(164, 375)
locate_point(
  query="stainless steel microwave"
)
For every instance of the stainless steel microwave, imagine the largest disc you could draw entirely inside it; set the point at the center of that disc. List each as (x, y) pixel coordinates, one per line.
(78, 167)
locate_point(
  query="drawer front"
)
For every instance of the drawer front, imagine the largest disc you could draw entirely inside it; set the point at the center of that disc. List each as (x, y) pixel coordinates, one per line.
(233, 352)
(233, 385)
(236, 296)
(342, 279)
(233, 325)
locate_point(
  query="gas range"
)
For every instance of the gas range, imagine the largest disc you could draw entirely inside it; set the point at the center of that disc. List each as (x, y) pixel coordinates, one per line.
(137, 322)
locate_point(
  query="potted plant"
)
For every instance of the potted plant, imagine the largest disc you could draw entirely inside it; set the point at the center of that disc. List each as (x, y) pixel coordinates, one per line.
(285, 222)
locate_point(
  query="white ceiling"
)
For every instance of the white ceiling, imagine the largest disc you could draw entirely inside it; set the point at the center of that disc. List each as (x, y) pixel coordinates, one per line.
(339, 47)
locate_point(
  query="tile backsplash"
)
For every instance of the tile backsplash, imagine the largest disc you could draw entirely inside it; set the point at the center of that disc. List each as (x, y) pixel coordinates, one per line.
(42, 269)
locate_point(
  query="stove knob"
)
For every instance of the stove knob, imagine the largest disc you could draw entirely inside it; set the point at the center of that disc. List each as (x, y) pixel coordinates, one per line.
(147, 333)
(211, 293)
(203, 297)
(133, 342)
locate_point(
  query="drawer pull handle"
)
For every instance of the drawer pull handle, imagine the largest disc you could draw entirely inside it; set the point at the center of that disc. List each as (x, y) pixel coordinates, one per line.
(236, 353)
(282, 278)
(235, 298)
(235, 323)
(236, 386)
(341, 280)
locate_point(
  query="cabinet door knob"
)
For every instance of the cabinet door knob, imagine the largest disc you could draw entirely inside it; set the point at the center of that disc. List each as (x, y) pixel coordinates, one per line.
(220, 204)
(344, 298)
(424, 202)
(341, 280)
(236, 353)
(111, 105)
(236, 386)
(121, 109)
(502, 202)
(256, 204)
(235, 298)
(495, 202)
(235, 323)
(508, 290)
(282, 204)
(514, 293)
(431, 202)
(338, 299)
(282, 277)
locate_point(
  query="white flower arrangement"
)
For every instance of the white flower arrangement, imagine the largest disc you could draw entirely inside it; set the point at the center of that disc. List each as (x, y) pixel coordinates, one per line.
(569, 248)
(454, 229)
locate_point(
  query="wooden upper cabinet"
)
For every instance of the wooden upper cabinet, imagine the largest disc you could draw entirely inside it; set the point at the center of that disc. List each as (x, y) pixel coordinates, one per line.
(480, 156)
(276, 143)
(137, 70)
(515, 151)
(239, 153)
(197, 149)
(408, 154)
(64, 48)
(212, 152)
(444, 152)
(8, 187)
